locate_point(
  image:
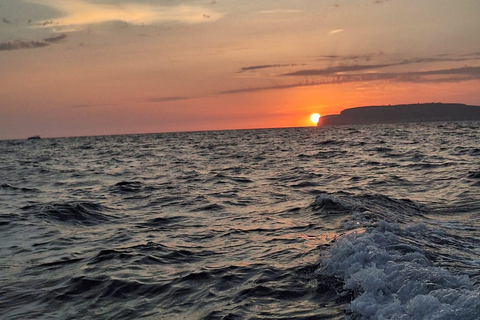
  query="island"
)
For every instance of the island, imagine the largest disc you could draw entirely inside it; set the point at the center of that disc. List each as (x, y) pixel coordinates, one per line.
(425, 112)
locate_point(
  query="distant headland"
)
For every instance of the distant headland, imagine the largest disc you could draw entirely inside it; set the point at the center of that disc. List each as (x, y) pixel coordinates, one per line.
(425, 112)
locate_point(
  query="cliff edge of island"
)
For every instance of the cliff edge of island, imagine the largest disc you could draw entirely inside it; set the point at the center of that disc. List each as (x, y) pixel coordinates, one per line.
(425, 112)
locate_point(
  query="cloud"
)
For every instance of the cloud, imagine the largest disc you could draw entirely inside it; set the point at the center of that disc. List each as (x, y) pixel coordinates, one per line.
(45, 23)
(349, 58)
(337, 70)
(16, 45)
(472, 55)
(279, 11)
(267, 66)
(350, 71)
(437, 58)
(335, 31)
(449, 75)
(278, 87)
(81, 12)
(471, 71)
(91, 105)
(444, 58)
(156, 100)
(439, 75)
(55, 39)
(168, 99)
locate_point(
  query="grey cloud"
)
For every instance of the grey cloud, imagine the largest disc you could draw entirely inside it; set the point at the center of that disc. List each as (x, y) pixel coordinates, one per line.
(451, 75)
(55, 39)
(337, 69)
(279, 87)
(471, 71)
(158, 100)
(352, 65)
(16, 45)
(329, 57)
(363, 67)
(267, 66)
(168, 99)
(472, 55)
(444, 58)
(45, 23)
(92, 105)
(366, 57)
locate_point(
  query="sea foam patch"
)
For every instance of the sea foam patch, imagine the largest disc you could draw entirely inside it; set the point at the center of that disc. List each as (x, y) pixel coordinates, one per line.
(394, 280)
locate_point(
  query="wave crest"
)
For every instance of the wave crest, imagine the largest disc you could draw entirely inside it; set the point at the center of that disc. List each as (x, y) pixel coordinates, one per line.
(76, 213)
(392, 280)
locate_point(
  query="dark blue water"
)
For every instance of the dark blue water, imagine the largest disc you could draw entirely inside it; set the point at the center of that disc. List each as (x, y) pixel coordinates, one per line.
(367, 222)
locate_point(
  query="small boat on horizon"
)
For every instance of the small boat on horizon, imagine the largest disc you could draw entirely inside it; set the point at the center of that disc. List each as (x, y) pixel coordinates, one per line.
(34, 138)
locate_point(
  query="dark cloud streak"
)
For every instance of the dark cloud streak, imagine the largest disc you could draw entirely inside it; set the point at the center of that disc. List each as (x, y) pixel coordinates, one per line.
(452, 75)
(16, 45)
(279, 87)
(267, 66)
(151, 100)
(431, 60)
(55, 39)
(168, 99)
(337, 69)
(364, 67)
(45, 23)
(92, 105)
(359, 67)
(366, 57)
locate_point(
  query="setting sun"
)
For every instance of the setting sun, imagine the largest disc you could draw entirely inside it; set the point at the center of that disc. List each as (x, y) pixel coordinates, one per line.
(315, 117)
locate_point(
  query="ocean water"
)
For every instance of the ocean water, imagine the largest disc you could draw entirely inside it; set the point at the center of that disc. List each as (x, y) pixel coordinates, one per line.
(366, 222)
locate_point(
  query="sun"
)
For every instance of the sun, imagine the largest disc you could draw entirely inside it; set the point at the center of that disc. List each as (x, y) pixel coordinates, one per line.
(315, 117)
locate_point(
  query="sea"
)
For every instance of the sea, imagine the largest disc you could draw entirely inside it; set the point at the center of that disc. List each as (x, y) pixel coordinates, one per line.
(345, 222)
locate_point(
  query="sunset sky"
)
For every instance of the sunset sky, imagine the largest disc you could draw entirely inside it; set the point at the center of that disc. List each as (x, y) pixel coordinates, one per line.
(94, 67)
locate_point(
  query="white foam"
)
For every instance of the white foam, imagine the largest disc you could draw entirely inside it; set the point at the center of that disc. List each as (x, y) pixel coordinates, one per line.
(394, 280)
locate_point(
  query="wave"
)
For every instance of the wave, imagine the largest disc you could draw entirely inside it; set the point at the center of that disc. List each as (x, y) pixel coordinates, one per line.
(366, 209)
(75, 213)
(160, 223)
(127, 187)
(6, 186)
(389, 279)
(474, 174)
(147, 254)
(386, 264)
(333, 204)
(109, 287)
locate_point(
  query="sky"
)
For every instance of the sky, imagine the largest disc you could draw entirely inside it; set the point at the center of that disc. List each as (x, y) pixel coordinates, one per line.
(97, 67)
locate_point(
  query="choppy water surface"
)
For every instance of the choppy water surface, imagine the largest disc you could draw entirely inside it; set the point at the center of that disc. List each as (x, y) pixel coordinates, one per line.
(367, 222)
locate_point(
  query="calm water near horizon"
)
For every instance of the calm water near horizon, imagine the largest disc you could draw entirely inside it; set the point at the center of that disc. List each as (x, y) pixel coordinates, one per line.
(351, 222)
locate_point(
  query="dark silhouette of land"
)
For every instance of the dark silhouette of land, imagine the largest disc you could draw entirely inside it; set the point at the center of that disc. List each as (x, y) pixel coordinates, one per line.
(425, 112)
